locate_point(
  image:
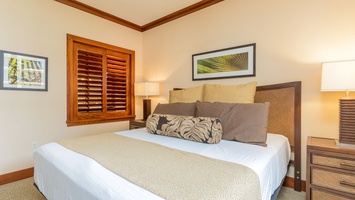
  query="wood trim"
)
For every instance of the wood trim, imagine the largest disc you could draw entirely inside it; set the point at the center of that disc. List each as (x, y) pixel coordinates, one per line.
(289, 182)
(185, 11)
(74, 117)
(180, 13)
(99, 13)
(15, 176)
(298, 182)
(297, 128)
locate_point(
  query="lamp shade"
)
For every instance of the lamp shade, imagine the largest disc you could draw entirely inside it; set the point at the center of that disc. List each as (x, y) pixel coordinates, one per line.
(146, 89)
(338, 76)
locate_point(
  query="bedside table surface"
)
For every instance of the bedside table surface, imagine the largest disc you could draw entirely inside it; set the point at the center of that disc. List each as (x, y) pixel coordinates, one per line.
(139, 120)
(137, 123)
(329, 144)
(321, 142)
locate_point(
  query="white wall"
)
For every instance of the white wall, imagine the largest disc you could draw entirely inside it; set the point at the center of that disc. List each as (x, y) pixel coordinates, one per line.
(292, 39)
(39, 27)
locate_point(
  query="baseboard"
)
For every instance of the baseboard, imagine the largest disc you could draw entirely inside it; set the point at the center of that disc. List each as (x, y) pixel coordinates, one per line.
(289, 182)
(15, 176)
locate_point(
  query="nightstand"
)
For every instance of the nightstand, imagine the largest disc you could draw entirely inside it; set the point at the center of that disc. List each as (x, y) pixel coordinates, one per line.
(137, 123)
(330, 170)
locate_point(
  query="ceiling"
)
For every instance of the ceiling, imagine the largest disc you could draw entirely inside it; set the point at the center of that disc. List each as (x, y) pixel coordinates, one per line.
(140, 15)
(139, 12)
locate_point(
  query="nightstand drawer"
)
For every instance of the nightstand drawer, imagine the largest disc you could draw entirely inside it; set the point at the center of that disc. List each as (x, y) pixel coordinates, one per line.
(330, 170)
(322, 195)
(341, 163)
(333, 180)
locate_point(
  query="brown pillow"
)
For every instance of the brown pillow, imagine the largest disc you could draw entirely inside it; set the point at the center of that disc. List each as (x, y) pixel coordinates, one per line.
(186, 109)
(241, 122)
(198, 129)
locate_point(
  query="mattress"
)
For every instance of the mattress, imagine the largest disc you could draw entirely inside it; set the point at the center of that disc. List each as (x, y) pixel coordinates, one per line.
(64, 174)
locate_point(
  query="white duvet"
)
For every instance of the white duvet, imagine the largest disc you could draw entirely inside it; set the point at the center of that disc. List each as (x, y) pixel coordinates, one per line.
(63, 174)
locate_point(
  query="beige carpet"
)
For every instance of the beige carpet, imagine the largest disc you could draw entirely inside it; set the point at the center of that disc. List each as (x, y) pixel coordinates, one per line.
(20, 190)
(289, 194)
(24, 190)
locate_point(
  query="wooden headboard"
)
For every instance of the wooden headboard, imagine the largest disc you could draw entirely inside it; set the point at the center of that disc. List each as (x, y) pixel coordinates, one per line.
(284, 117)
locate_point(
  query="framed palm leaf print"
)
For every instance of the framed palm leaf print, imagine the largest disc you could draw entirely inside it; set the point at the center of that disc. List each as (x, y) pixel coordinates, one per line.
(224, 63)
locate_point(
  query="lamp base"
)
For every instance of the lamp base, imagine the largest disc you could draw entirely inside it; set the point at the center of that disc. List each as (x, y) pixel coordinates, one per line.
(347, 121)
(146, 108)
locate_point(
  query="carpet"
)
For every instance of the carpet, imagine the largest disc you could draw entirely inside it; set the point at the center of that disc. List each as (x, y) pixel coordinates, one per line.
(20, 190)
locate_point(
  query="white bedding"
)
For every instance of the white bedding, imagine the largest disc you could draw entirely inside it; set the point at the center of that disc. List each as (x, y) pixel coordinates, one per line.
(63, 174)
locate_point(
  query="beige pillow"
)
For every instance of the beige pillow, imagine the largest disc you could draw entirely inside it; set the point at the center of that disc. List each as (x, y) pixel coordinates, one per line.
(242, 122)
(187, 95)
(243, 93)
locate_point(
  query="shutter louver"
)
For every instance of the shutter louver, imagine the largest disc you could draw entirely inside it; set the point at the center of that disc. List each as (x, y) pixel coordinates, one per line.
(100, 78)
(89, 82)
(116, 83)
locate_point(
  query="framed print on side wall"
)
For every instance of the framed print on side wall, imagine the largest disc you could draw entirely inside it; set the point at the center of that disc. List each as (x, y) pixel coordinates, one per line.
(23, 72)
(224, 63)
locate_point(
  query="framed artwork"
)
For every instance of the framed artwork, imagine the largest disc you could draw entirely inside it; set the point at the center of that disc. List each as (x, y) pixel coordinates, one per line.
(23, 72)
(224, 63)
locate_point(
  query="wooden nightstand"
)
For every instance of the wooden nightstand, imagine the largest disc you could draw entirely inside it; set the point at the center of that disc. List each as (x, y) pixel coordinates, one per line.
(330, 170)
(137, 123)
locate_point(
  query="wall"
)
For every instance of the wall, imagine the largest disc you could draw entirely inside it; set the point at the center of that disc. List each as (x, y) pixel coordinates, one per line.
(292, 39)
(39, 27)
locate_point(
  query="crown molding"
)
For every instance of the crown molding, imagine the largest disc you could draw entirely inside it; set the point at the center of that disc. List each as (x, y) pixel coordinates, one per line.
(180, 13)
(100, 13)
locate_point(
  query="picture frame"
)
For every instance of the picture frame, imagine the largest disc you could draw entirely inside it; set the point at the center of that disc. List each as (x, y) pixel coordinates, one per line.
(231, 62)
(20, 71)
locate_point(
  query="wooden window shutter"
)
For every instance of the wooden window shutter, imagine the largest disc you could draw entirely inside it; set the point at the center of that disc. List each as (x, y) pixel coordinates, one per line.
(100, 82)
(90, 83)
(117, 64)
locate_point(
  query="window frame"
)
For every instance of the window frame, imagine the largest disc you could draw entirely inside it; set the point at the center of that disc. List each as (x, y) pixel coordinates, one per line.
(74, 117)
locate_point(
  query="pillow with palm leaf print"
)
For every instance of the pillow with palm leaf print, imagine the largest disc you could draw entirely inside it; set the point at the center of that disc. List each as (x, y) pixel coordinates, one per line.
(198, 129)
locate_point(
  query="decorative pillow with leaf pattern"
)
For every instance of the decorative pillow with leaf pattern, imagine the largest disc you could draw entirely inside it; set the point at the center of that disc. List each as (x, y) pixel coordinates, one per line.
(198, 129)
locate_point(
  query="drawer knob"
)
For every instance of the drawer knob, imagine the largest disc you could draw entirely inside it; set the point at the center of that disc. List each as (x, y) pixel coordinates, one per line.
(347, 184)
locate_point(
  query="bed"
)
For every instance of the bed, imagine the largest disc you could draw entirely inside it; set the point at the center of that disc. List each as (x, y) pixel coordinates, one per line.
(63, 171)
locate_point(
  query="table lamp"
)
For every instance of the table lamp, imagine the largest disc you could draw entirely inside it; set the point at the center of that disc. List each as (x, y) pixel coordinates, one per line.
(340, 76)
(146, 89)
